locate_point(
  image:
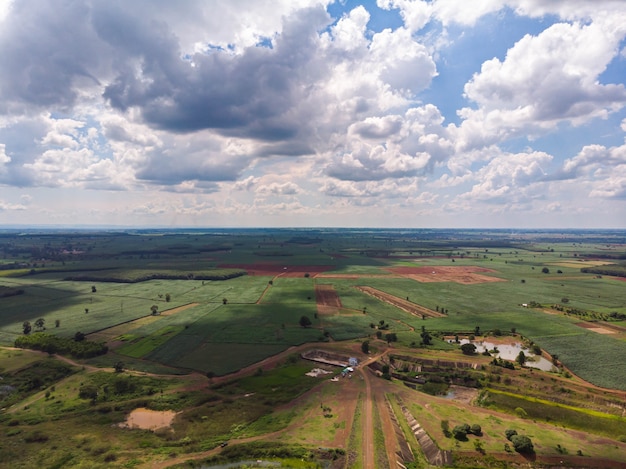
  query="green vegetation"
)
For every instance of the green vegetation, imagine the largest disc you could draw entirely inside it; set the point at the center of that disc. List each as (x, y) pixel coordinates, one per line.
(201, 305)
(573, 417)
(32, 378)
(77, 347)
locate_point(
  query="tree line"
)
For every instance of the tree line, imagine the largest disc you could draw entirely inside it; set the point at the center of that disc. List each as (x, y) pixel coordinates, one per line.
(76, 347)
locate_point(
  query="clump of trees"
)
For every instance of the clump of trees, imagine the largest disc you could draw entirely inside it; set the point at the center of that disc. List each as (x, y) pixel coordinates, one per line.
(521, 443)
(460, 432)
(125, 277)
(54, 344)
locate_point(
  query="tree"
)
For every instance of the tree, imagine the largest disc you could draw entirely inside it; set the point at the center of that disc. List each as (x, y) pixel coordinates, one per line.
(26, 327)
(522, 444)
(57, 322)
(86, 310)
(93, 289)
(168, 297)
(224, 301)
(468, 349)
(391, 337)
(545, 270)
(476, 429)
(521, 358)
(119, 366)
(460, 432)
(305, 321)
(79, 337)
(210, 375)
(365, 346)
(39, 324)
(154, 309)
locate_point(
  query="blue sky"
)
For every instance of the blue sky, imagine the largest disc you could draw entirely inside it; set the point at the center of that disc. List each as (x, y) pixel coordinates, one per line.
(386, 113)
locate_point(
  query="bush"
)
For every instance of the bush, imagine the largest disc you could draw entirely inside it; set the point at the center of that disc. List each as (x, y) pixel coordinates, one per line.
(522, 444)
(445, 428)
(468, 349)
(36, 437)
(476, 429)
(521, 413)
(510, 433)
(460, 431)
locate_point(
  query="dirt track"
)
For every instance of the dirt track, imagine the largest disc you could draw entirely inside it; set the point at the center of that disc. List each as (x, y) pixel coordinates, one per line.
(404, 305)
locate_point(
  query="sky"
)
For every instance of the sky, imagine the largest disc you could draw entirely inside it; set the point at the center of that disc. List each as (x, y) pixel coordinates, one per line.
(313, 113)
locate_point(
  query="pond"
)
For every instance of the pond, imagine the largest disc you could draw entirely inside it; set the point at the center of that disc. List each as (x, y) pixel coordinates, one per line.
(510, 352)
(147, 419)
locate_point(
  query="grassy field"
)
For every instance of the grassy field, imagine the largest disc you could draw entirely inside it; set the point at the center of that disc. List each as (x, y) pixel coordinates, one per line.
(265, 310)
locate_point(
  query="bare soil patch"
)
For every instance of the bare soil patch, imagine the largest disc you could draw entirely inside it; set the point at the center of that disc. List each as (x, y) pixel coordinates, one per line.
(147, 419)
(466, 275)
(404, 305)
(352, 276)
(596, 328)
(327, 299)
(171, 312)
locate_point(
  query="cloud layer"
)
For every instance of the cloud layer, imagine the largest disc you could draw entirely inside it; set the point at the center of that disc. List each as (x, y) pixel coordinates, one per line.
(306, 113)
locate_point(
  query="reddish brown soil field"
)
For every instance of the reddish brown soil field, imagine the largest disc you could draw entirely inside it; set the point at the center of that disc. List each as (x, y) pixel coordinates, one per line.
(325, 295)
(605, 328)
(272, 270)
(465, 275)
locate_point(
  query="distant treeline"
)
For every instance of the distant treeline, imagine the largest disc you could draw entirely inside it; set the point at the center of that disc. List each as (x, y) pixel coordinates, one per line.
(615, 270)
(136, 277)
(55, 344)
(176, 250)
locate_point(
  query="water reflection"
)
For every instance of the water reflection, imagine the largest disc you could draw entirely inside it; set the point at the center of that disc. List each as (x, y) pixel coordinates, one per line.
(510, 352)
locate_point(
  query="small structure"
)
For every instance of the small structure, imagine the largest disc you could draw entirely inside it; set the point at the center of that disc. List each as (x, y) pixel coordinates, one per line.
(352, 361)
(346, 371)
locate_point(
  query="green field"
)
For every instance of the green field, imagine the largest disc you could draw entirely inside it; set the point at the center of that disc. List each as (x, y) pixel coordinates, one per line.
(264, 310)
(180, 356)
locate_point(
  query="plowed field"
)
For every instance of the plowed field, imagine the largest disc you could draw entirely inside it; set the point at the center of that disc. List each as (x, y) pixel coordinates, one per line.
(467, 275)
(328, 302)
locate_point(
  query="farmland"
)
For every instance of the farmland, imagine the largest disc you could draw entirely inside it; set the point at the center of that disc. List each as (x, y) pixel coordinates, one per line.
(195, 320)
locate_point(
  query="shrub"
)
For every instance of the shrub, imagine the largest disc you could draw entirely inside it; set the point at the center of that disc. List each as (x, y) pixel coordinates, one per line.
(445, 428)
(36, 437)
(522, 444)
(478, 446)
(476, 429)
(510, 433)
(521, 413)
(468, 349)
(460, 431)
